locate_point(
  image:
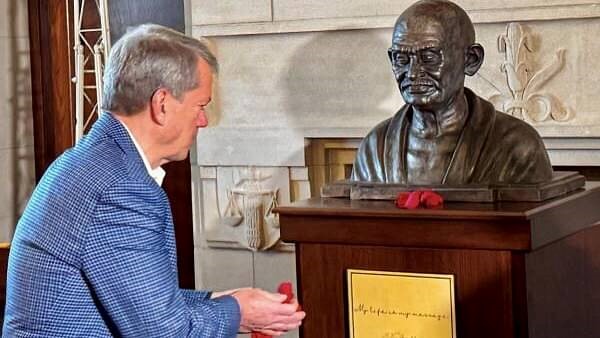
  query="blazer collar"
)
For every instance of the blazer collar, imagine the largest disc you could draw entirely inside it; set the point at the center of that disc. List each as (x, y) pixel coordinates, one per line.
(108, 125)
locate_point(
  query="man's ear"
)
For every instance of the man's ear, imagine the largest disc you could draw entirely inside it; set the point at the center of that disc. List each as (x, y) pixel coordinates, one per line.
(473, 59)
(157, 106)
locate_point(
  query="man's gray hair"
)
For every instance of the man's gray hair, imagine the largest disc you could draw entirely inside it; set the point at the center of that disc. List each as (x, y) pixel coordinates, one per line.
(147, 58)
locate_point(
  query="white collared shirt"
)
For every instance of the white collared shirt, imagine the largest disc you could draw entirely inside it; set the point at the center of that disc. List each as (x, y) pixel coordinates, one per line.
(157, 174)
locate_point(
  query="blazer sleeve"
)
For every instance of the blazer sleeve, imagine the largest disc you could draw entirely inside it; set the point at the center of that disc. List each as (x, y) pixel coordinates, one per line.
(193, 296)
(127, 266)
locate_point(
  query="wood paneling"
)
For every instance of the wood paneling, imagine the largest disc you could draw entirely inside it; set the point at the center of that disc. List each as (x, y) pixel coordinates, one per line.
(563, 281)
(51, 72)
(483, 283)
(508, 283)
(177, 184)
(450, 233)
(3, 268)
(505, 225)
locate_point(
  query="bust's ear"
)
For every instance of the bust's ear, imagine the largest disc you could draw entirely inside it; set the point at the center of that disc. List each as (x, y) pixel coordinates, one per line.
(473, 59)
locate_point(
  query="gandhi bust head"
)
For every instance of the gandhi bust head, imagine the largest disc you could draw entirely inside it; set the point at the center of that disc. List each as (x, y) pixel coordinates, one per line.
(433, 47)
(445, 134)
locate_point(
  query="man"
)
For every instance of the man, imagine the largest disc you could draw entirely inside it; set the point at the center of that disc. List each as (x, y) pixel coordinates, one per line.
(445, 134)
(94, 253)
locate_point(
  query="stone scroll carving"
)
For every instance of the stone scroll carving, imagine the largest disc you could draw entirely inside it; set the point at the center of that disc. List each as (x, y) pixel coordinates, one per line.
(250, 209)
(526, 98)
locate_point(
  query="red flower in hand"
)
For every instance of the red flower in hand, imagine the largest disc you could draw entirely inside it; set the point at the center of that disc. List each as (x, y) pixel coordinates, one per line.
(286, 289)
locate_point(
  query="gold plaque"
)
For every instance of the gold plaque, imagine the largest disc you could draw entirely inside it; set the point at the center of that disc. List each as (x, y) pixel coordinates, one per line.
(400, 305)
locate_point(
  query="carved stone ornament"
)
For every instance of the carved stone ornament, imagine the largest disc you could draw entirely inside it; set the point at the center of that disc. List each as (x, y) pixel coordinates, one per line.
(250, 209)
(526, 100)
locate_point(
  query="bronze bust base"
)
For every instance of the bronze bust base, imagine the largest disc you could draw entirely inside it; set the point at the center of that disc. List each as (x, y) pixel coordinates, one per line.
(563, 182)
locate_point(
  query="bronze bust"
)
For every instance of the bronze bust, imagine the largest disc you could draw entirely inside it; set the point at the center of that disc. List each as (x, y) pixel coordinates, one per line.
(446, 134)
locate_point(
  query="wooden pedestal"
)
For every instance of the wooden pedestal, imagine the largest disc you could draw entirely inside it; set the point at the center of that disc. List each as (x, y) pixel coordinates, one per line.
(521, 269)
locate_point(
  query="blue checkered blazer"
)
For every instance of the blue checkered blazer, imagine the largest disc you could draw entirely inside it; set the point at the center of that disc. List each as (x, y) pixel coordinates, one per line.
(94, 253)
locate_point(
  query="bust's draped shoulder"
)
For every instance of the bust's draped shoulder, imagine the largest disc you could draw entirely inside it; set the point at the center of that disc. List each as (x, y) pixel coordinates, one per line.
(381, 154)
(493, 148)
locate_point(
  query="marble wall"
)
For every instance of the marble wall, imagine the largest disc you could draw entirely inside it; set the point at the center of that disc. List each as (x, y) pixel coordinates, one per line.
(295, 73)
(16, 125)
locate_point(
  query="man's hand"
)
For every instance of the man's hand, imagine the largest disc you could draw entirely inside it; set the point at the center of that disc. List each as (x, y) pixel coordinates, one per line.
(265, 312)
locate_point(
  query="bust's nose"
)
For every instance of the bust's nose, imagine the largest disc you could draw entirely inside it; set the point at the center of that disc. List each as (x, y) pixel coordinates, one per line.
(414, 68)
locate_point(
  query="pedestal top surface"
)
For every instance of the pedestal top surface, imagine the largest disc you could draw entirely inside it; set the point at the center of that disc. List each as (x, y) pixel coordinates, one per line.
(371, 208)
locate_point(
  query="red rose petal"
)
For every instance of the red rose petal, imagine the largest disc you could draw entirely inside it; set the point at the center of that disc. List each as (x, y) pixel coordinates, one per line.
(431, 199)
(413, 201)
(402, 198)
(286, 289)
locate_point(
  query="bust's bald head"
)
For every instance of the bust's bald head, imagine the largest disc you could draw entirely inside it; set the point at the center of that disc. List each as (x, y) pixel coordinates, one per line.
(433, 48)
(439, 15)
